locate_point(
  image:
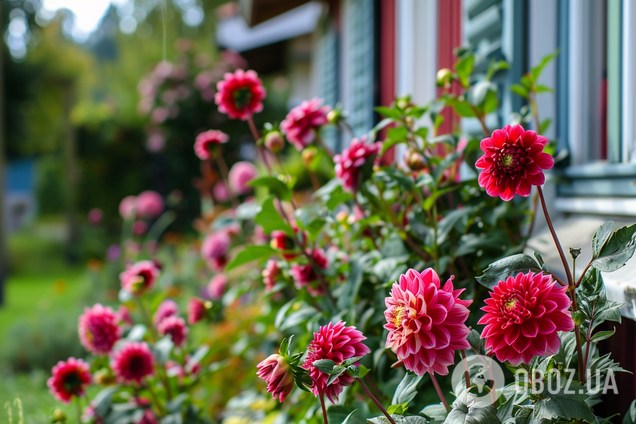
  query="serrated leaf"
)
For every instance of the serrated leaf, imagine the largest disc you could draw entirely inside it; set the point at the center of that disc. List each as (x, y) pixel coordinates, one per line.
(507, 267)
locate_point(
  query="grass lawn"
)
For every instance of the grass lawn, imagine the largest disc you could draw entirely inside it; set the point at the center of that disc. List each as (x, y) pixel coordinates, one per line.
(41, 284)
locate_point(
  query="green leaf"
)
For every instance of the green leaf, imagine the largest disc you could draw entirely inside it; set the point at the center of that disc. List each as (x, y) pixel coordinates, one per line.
(251, 253)
(491, 102)
(163, 348)
(545, 124)
(406, 390)
(475, 341)
(354, 280)
(464, 412)
(561, 407)
(536, 71)
(603, 335)
(496, 66)
(519, 90)
(398, 133)
(630, 415)
(617, 250)
(269, 218)
(137, 333)
(543, 89)
(196, 357)
(298, 317)
(399, 419)
(600, 237)
(247, 210)
(436, 412)
(464, 67)
(462, 107)
(389, 112)
(397, 409)
(445, 226)
(507, 267)
(338, 196)
(422, 132)
(381, 125)
(276, 187)
(346, 420)
(478, 92)
(388, 143)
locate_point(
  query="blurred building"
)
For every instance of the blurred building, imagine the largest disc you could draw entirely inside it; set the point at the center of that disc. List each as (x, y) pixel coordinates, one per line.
(19, 194)
(362, 53)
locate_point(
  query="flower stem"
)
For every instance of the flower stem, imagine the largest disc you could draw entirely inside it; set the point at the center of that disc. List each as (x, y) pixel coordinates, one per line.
(439, 391)
(321, 396)
(78, 409)
(570, 281)
(222, 165)
(376, 401)
(154, 398)
(466, 372)
(257, 137)
(324, 146)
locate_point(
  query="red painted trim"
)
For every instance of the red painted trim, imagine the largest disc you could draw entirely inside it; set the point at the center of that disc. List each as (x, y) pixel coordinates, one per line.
(449, 36)
(387, 62)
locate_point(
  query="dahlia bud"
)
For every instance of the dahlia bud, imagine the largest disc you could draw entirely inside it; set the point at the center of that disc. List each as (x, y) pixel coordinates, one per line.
(274, 141)
(277, 373)
(577, 317)
(404, 102)
(309, 153)
(414, 160)
(104, 377)
(58, 416)
(444, 77)
(575, 252)
(342, 216)
(334, 116)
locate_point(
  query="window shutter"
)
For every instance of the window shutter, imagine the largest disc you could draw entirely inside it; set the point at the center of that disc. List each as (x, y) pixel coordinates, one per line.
(327, 64)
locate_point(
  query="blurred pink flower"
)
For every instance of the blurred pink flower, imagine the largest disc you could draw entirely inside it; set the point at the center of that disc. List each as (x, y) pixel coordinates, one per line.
(167, 308)
(306, 276)
(240, 94)
(176, 327)
(241, 174)
(206, 141)
(271, 274)
(133, 362)
(349, 164)
(69, 379)
(155, 142)
(149, 204)
(127, 207)
(217, 285)
(278, 375)
(139, 228)
(220, 192)
(95, 216)
(123, 315)
(214, 249)
(160, 114)
(98, 330)
(196, 310)
(139, 277)
(302, 122)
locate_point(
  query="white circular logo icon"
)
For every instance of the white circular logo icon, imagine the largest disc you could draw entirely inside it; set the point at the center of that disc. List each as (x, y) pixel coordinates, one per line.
(485, 377)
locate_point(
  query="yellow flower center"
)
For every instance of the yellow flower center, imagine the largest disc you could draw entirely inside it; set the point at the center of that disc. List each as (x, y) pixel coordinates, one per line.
(510, 303)
(398, 315)
(506, 160)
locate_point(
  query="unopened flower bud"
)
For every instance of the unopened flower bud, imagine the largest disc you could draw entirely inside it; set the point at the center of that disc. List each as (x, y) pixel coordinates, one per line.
(58, 416)
(277, 373)
(334, 116)
(577, 317)
(309, 154)
(414, 160)
(104, 377)
(274, 141)
(342, 216)
(575, 252)
(444, 77)
(404, 102)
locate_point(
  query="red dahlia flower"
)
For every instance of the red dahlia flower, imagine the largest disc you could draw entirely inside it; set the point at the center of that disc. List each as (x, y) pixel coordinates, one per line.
(523, 316)
(177, 329)
(206, 141)
(302, 122)
(349, 163)
(216, 286)
(133, 362)
(69, 379)
(277, 373)
(337, 343)
(167, 308)
(196, 310)
(306, 276)
(513, 162)
(98, 329)
(139, 278)
(240, 94)
(426, 322)
(281, 241)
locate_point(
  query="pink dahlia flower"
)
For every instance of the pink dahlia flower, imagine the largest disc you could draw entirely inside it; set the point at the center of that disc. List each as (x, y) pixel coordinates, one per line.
(98, 329)
(123, 315)
(127, 207)
(216, 286)
(133, 362)
(426, 322)
(513, 162)
(139, 228)
(306, 276)
(149, 204)
(177, 329)
(214, 249)
(523, 316)
(271, 274)
(241, 174)
(69, 379)
(206, 141)
(95, 216)
(302, 122)
(338, 343)
(240, 94)
(278, 375)
(139, 278)
(349, 164)
(196, 310)
(167, 308)
(220, 192)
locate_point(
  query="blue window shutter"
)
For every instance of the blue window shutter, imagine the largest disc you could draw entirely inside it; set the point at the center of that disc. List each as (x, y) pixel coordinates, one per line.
(327, 54)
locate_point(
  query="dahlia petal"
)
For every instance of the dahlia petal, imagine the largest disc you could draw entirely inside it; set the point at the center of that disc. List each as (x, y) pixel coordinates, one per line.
(562, 321)
(511, 335)
(530, 328)
(546, 326)
(544, 161)
(536, 179)
(524, 189)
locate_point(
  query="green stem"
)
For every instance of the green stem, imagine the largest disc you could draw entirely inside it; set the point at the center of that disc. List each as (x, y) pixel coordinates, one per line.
(154, 398)
(435, 249)
(376, 401)
(78, 409)
(260, 148)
